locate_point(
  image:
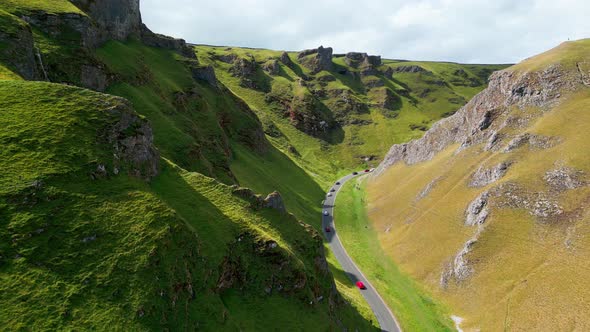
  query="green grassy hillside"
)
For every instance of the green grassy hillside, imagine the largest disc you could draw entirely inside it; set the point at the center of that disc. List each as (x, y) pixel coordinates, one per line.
(87, 251)
(417, 99)
(525, 267)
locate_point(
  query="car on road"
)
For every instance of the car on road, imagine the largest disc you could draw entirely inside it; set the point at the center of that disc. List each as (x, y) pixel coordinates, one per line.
(355, 173)
(326, 213)
(371, 170)
(367, 171)
(337, 183)
(328, 229)
(332, 190)
(360, 285)
(329, 194)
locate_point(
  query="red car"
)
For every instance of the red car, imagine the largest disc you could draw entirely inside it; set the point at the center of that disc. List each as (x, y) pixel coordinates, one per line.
(367, 171)
(328, 229)
(360, 285)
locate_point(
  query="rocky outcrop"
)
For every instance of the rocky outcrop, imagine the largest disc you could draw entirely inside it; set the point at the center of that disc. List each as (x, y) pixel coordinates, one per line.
(245, 69)
(114, 19)
(286, 60)
(477, 211)
(18, 51)
(409, 69)
(272, 67)
(565, 178)
(206, 74)
(275, 201)
(484, 176)
(317, 59)
(152, 39)
(132, 140)
(476, 123)
(427, 189)
(357, 60)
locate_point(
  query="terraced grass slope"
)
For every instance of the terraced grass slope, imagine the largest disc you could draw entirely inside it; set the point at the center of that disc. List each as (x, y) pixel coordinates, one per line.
(490, 210)
(346, 110)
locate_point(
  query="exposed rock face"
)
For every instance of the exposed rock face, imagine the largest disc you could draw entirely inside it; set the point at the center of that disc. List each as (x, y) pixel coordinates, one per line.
(245, 69)
(357, 60)
(565, 178)
(275, 201)
(286, 60)
(272, 67)
(161, 41)
(429, 187)
(317, 59)
(484, 176)
(132, 141)
(205, 73)
(19, 52)
(476, 122)
(94, 77)
(534, 142)
(115, 19)
(410, 69)
(477, 212)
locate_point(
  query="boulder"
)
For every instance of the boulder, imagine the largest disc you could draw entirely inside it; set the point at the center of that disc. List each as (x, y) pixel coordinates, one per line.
(317, 59)
(275, 201)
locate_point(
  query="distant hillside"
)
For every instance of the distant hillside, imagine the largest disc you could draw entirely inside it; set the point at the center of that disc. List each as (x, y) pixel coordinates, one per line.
(334, 112)
(489, 209)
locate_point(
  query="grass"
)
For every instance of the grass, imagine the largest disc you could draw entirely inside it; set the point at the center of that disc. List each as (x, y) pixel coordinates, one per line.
(341, 149)
(527, 276)
(77, 253)
(413, 307)
(27, 6)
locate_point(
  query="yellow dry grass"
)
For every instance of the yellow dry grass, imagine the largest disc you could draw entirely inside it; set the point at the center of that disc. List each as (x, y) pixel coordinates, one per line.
(528, 275)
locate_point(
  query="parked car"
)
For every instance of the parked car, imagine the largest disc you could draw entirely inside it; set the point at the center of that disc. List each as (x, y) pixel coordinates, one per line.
(329, 194)
(355, 173)
(367, 171)
(337, 183)
(328, 229)
(332, 190)
(360, 285)
(326, 213)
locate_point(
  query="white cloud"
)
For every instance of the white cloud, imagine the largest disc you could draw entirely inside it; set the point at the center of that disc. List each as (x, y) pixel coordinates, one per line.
(454, 30)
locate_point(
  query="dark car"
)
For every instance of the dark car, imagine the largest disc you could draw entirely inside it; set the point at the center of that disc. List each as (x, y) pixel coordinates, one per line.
(367, 171)
(355, 173)
(360, 285)
(337, 183)
(328, 229)
(332, 190)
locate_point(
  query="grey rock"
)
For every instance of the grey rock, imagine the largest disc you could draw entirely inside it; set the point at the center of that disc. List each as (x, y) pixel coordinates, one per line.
(132, 140)
(19, 53)
(410, 69)
(94, 77)
(205, 73)
(565, 178)
(286, 60)
(150, 38)
(477, 212)
(114, 19)
(275, 201)
(272, 67)
(426, 190)
(485, 176)
(317, 59)
(506, 90)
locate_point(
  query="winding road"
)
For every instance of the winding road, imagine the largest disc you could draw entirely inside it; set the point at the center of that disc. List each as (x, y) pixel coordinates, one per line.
(385, 317)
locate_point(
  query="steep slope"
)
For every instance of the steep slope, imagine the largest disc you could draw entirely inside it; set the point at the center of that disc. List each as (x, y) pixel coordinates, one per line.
(489, 209)
(108, 216)
(333, 112)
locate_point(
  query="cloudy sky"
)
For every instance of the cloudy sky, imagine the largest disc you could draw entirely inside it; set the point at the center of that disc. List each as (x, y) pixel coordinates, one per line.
(472, 31)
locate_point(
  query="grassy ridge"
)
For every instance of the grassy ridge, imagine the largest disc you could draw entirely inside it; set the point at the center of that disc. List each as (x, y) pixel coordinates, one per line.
(412, 306)
(528, 274)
